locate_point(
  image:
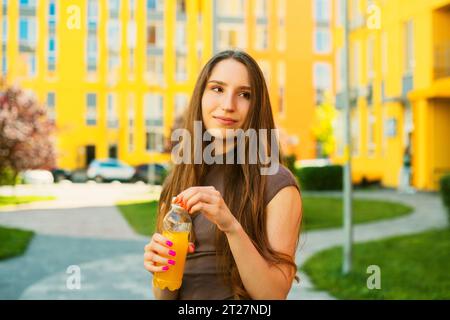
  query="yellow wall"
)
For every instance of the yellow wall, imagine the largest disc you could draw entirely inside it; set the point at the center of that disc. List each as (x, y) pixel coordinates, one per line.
(71, 82)
(430, 117)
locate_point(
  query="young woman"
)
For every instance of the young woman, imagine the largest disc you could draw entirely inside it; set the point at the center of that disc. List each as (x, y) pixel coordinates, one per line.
(246, 224)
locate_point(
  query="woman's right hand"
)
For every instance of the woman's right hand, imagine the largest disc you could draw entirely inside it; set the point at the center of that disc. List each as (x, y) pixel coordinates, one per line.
(159, 256)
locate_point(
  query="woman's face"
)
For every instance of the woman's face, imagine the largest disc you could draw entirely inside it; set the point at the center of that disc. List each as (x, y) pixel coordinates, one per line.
(226, 99)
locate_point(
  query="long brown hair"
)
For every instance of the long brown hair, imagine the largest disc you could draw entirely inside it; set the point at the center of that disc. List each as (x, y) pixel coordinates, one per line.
(241, 179)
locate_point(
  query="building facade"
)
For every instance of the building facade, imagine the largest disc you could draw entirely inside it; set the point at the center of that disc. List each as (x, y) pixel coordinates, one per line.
(115, 74)
(400, 90)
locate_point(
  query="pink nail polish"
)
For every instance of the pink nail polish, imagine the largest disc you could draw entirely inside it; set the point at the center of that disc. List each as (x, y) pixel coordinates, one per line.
(171, 262)
(172, 253)
(169, 243)
(165, 268)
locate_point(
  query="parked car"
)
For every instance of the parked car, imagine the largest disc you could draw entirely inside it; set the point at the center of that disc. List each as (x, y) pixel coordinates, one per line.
(109, 170)
(144, 173)
(61, 174)
(37, 177)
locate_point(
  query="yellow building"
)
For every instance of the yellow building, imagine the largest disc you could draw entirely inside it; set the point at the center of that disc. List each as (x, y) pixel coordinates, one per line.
(114, 74)
(400, 90)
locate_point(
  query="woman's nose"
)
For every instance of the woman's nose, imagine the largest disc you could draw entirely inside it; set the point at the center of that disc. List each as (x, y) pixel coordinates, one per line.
(228, 103)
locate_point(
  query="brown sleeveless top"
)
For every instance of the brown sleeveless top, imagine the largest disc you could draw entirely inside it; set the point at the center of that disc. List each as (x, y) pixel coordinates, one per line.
(201, 280)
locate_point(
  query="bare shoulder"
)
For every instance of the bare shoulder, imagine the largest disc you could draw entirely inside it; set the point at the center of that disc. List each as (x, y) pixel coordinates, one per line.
(284, 216)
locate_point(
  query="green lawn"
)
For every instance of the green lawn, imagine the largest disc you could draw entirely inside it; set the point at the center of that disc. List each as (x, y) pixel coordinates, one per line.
(13, 242)
(140, 215)
(319, 212)
(10, 200)
(412, 267)
(326, 212)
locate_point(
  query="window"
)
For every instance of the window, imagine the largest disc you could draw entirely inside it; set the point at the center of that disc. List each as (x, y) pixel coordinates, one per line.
(265, 68)
(91, 103)
(154, 6)
(355, 131)
(281, 30)
(181, 103)
(340, 12)
(51, 112)
(384, 53)
(322, 80)
(322, 12)
(92, 14)
(322, 40)
(92, 52)
(31, 57)
(409, 46)
(230, 8)
(51, 54)
(114, 8)
(322, 75)
(261, 42)
(181, 68)
(181, 7)
(261, 8)
(4, 38)
(340, 70)
(155, 69)
(370, 57)
(132, 8)
(113, 121)
(371, 132)
(91, 39)
(231, 36)
(154, 123)
(51, 58)
(27, 31)
(355, 58)
(180, 37)
(131, 116)
(114, 35)
(155, 34)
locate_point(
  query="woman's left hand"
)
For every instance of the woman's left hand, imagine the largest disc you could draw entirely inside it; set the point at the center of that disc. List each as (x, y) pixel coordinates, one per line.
(210, 202)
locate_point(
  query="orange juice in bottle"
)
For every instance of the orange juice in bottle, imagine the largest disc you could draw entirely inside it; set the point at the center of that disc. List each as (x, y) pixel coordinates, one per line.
(176, 227)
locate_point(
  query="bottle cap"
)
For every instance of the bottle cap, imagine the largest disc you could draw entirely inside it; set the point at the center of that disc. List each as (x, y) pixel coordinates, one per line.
(178, 205)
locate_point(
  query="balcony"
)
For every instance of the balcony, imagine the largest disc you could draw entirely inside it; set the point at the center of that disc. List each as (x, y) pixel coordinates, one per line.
(441, 68)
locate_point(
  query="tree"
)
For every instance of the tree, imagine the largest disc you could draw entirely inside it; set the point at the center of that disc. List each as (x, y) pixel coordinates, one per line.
(323, 129)
(25, 132)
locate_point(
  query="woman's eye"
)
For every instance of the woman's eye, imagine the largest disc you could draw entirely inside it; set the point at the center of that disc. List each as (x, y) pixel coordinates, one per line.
(216, 88)
(246, 95)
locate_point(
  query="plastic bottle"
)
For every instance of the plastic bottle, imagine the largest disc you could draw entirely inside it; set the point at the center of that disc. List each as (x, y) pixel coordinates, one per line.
(176, 227)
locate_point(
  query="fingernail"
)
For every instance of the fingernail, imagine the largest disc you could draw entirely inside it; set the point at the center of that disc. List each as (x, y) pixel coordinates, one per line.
(165, 268)
(169, 243)
(172, 253)
(172, 262)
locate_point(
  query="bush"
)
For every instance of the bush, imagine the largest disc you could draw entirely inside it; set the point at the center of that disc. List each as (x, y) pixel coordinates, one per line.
(289, 162)
(445, 192)
(320, 178)
(7, 177)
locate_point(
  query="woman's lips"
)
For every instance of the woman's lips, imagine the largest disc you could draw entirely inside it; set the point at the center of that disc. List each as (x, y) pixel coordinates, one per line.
(225, 121)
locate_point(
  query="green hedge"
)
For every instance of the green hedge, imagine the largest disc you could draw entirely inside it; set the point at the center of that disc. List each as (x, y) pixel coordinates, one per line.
(320, 178)
(7, 177)
(445, 192)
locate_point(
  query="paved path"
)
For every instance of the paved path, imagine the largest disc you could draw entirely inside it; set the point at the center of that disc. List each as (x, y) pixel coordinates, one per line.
(109, 254)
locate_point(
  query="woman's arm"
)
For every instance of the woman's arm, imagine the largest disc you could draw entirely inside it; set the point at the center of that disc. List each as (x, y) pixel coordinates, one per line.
(260, 279)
